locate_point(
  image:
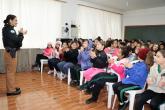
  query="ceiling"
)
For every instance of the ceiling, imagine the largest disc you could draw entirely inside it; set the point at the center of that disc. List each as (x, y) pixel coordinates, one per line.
(126, 5)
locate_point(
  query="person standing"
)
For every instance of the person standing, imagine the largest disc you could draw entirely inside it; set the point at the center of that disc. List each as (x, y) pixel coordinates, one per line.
(12, 43)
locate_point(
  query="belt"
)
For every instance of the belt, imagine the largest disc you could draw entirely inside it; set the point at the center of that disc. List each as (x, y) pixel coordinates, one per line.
(12, 51)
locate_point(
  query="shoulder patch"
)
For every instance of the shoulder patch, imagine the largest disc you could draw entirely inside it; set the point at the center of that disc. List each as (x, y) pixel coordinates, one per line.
(12, 31)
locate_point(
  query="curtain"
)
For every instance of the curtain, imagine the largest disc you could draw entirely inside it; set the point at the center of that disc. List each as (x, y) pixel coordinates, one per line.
(25, 59)
(94, 22)
(41, 18)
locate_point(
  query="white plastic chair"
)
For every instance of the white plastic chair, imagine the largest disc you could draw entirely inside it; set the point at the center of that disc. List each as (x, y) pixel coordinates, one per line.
(70, 79)
(43, 61)
(81, 77)
(133, 93)
(110, 90)
(69, 76)
(162, 106)
(61, 76)
(131, 96)
(55, 72)
(110, 94)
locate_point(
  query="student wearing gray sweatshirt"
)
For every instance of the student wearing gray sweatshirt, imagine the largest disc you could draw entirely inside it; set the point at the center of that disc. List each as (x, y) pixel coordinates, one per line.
(156, 85)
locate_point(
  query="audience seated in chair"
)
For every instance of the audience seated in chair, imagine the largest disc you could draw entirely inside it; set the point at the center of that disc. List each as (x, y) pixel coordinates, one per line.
(47, 53)
(112, 48)
(98, 81)
(84, 62)
(156, 85)
(99, 61)
(56, 58)
(70, 56)
(136, 75)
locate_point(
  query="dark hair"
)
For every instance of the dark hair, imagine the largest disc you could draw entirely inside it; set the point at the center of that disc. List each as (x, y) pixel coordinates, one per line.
(162, 52)
(80, 44)
(153, 47)
(108, 43)
(66, 43)
(163, 44)
(135, 40)
(112, 42)
(85, 40)
(149, 59)
(8, 18)
(102, 42)
(123, 43)
(125, 52)
(130, 49)
(98, 38)
(72, 42)
(145, 45)
(148, 40)
(120, 40)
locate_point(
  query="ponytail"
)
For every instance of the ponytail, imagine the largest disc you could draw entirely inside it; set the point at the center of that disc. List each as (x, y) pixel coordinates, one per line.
(149, 59)
(8, 18)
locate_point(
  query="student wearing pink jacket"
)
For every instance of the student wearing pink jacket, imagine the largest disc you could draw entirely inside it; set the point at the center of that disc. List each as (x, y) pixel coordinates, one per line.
(47, 53)
(98, 81)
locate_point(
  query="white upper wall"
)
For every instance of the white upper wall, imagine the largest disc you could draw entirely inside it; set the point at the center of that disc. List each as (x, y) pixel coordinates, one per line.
(152, 16)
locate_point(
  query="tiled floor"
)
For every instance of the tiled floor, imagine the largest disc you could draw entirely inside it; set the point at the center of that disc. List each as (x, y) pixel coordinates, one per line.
(46, 93)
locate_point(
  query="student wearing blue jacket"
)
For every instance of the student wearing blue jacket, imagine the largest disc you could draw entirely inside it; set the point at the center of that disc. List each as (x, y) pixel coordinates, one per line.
(136, 75)
(84, 62)
(84, 57)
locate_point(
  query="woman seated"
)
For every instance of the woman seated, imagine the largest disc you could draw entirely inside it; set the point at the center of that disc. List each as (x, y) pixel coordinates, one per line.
(99, 61)
(70, 56)
(112, 49)
(52, 63)
(132, 56)
(47, 53)
(136, 75)
(156, 85)
(99, 80)
(84, 62)
(155, 48)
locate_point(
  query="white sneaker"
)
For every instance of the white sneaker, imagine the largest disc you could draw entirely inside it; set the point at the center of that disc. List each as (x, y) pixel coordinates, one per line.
(58, 74)
(50, 72)
(63, 76)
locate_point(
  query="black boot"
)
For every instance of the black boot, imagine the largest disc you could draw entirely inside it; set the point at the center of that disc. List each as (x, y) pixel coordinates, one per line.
(17, 89)
(88, 91)
(17, 92)
(35, 65)
(90, 100)
(123, 106)
(74, 83)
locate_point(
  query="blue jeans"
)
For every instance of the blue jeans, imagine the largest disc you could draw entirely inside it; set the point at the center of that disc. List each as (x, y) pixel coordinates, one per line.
(64, 66)
(60, 65)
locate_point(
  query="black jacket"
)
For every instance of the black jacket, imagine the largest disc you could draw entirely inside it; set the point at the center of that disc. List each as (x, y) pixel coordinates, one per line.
(71, 56)
(101, 60)
(10, 38)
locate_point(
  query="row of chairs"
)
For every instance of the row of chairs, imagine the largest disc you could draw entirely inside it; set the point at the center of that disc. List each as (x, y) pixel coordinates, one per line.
(45, 61)
(131, 93)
